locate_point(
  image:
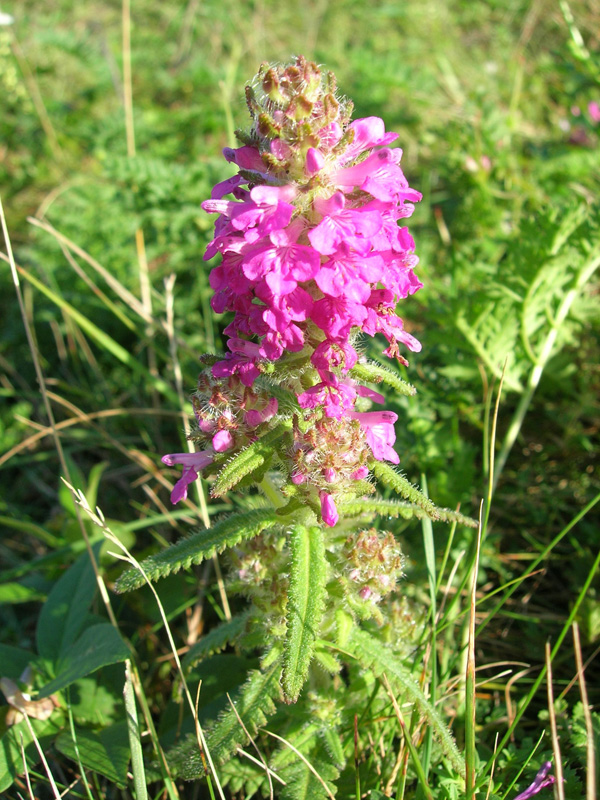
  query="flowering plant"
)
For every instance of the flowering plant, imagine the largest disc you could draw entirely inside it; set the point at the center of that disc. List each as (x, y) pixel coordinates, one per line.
(312, 259)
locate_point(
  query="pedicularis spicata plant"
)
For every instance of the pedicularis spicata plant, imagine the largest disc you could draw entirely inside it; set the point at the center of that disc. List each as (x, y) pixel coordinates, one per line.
(314, 257)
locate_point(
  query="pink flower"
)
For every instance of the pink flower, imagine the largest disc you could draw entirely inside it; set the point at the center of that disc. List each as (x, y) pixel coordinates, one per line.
(222, 441)
(542, 780)
(337, 397)
(328, 510)
(379, 428)
(254, 417)
(341, 224)
(192, 463)
(594, 112)
(380, 176)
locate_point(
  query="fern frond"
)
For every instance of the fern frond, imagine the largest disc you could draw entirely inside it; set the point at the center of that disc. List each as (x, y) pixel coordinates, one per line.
(199, 546)
(216, 640)
(373, 655)
(306, 602)
(375, 373)
(253, 458)
(394, 480)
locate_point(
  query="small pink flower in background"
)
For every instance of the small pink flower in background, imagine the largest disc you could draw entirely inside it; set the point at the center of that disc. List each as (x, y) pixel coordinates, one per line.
(594, 112)
(542, 780)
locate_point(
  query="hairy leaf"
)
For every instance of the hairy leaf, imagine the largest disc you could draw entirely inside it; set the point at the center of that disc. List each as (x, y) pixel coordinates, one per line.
(254, 703)
(199, 546)
(303, 783)
(395, 508)
(390, 477)
(216, 640)
(373, 655)
(375, 373)
(252, 458)
(306, 601)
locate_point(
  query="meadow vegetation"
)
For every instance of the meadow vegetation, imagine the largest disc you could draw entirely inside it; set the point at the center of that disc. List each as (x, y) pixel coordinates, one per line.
(112, 122)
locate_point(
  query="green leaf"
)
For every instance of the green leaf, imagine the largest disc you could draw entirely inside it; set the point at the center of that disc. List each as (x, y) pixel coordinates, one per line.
(66, 609)
(13, 661)
(249, 460)
(105, 752)
(333, 744)
(301, 781)
(217, 639)
(13, 593)
(395, 508)
(375, 373)
(388, 476)
(199, 546)
(98, 646)
(373, 655)
(17, 736)
(98, 703)
(254, 703)
(306, 602)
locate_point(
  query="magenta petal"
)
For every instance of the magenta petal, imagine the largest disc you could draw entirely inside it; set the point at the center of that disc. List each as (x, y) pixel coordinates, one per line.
(328, 509)
(314, 161)
(222, 441)
(542, 780)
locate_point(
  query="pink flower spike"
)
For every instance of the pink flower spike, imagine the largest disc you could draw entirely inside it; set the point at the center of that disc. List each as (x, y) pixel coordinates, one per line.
(542, 780)
(222, 441)
(328, 509)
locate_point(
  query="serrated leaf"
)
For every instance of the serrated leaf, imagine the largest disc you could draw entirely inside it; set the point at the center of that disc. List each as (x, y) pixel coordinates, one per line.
(303, 784)
(394, 480)
(249, 460)
(306, 601)
(97, 647)
(333, 744)
(375, 373)
(66, 609)
(199, 546)
(105, 752)
(373, 655)
(395, 508)
(216, 640)
(254, 702)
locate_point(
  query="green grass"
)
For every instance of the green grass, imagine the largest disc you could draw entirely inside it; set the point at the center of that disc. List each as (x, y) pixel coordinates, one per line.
(509, 240)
